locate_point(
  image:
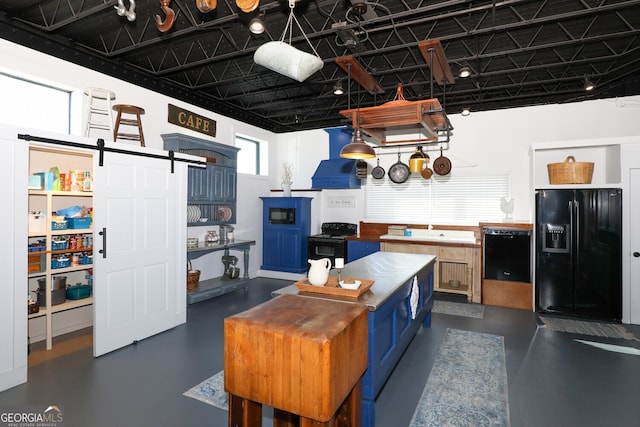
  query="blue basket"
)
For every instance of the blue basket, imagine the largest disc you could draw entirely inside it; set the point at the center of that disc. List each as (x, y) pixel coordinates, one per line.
(58, 225)
(83, 222)
(59, 245)
(60, 263)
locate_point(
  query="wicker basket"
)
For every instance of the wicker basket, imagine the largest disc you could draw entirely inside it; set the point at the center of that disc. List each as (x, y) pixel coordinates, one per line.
(570, 172)
(193, 277)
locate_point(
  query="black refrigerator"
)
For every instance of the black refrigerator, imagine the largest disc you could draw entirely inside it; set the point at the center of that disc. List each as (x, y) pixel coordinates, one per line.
(579, 253)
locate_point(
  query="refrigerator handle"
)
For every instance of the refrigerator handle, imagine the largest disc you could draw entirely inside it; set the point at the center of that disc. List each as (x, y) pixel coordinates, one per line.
(575, 224)
(572, 225)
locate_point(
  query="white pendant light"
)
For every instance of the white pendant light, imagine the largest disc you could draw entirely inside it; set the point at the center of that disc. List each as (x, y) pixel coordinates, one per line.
(285, 59)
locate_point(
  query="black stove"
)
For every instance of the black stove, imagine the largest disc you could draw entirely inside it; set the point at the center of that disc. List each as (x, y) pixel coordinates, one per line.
(336, 230)
(331, 242)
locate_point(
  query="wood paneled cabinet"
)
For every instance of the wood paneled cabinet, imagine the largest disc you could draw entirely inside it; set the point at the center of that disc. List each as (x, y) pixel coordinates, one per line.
(457, 268)
(212, 190)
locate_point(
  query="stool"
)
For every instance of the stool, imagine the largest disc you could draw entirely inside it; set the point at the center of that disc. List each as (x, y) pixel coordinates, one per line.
(303, 356)
(132, 110)
(99, 105)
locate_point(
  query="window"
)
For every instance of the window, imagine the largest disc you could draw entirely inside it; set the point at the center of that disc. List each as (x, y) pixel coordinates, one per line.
(461, 200)
(252, 157)
(34, 105)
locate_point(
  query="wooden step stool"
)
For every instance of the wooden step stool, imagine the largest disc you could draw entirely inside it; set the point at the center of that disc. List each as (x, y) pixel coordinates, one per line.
(304, 357)
(99, 106)
(132, 110)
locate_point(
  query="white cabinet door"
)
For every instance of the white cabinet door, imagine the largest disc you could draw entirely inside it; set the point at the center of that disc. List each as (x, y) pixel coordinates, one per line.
(13, 251)
(631, 233)
(138, 212)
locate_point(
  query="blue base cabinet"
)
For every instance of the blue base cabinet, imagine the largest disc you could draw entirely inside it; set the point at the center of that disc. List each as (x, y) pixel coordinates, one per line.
(357, 249)
(284, 241)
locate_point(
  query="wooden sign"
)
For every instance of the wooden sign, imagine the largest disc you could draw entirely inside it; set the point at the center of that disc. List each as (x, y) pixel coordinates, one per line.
(193, 121)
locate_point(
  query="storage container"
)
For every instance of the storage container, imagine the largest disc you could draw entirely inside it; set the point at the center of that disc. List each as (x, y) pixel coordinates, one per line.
(59, 245)
(58, 225)
(60, 263)
(75, 223)
(78, 292)
(37, 221)
(570, 172)
(58, 296)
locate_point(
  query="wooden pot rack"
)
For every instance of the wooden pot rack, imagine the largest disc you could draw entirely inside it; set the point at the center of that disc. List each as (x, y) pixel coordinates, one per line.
(425, 118)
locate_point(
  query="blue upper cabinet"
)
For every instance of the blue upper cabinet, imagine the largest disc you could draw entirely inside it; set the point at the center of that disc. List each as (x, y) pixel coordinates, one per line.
(212, 190)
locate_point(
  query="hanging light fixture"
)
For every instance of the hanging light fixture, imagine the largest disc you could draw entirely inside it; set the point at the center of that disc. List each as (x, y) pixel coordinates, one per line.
(465, 111)
(357, 148)
(285, 59)
(256, 25)
(337, 88)
(464, 72)
(588, 84)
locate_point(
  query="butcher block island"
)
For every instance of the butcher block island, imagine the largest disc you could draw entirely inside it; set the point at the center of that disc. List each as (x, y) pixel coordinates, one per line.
(398, 303)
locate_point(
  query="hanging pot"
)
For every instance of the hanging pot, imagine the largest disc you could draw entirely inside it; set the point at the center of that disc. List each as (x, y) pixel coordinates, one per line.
(378, 171)
(442, 165)
(418, 160)
(426, 173)
(399, 172)
(206, 6)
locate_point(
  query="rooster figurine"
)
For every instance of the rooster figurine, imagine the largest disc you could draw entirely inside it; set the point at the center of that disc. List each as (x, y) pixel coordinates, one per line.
(506, 206)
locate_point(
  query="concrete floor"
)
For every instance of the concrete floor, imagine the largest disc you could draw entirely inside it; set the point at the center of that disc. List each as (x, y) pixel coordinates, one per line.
(552, 379)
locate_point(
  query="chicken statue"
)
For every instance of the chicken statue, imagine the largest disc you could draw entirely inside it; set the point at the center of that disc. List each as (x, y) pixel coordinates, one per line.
(506, 205)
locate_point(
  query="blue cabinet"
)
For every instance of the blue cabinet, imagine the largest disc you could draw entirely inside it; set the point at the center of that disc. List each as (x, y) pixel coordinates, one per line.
(284, 239)
(211, 189)
(357, 249)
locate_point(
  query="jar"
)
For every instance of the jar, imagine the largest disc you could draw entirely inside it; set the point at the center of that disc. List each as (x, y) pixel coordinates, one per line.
(211, 237)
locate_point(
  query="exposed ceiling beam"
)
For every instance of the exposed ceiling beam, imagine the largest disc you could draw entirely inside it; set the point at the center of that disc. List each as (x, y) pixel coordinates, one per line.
(359, 74)
(434, 56)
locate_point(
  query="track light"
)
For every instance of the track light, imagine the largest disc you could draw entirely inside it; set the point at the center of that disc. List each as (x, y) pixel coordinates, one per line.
(588, 84)
(464, 72)
(466, 111)
(256, 25)
(337, 89)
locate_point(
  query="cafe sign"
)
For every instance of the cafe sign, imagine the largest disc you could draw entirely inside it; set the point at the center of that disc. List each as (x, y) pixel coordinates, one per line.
(187, 119)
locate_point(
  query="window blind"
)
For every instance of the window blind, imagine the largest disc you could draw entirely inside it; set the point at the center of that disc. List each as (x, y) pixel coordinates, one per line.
(461, 200)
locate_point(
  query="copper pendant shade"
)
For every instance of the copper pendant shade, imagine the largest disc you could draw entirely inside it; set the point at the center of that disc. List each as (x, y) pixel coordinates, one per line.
(357, 149)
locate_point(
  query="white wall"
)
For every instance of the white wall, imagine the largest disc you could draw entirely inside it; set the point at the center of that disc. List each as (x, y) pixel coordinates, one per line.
(493, 142)
(484, 143)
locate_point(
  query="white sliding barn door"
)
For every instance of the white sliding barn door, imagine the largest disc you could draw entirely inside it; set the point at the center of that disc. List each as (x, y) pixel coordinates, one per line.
(139, 282)
(13, 289)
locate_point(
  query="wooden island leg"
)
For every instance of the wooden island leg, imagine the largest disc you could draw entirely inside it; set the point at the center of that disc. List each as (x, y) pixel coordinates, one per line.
(244, 412)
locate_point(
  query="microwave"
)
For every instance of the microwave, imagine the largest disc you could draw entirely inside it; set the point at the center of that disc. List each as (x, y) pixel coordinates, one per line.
(282, 215)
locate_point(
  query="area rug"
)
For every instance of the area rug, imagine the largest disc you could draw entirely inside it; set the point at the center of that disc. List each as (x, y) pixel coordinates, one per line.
(458, 309)
(467, 385)
(211, 391)
(586, 327)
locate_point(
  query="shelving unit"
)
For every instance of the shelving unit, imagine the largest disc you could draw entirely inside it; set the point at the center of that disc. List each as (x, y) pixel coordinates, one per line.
(48, 202)
(606, 159)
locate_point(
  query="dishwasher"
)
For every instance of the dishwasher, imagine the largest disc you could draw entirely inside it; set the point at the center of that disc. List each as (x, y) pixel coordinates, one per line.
(507, 255)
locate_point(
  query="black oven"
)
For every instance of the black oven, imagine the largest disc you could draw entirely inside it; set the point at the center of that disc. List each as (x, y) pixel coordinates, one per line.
(282, 216)
(332, 242)
(327, 248)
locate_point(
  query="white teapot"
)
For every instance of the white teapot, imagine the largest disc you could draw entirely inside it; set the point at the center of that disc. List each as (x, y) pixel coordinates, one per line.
(319, 271)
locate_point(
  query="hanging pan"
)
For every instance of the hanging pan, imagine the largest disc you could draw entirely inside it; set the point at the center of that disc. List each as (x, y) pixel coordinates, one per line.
(399, 172)
(442, 165)
(378, 171)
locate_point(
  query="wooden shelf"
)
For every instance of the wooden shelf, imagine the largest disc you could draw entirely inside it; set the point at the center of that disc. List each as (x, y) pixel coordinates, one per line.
(67, 305)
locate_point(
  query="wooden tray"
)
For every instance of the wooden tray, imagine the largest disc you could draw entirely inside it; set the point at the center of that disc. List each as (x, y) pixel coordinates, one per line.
(331, 288)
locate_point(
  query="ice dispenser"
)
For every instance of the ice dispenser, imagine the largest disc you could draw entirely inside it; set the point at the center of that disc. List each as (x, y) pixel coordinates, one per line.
(556, 238)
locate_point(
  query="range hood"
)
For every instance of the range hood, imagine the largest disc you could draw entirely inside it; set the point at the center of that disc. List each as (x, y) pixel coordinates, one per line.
(336, 172)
